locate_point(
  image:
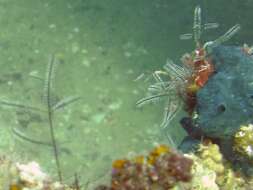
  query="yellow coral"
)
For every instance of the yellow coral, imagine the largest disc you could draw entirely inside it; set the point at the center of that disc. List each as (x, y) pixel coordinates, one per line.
(15, 187)
(211, 157)
(243, 141)
(156, 152)
(139, 159)
(229, 181)
(203, 177)
(118, 164)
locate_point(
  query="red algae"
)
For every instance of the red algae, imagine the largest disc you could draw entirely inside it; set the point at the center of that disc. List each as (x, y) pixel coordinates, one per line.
(162, 168)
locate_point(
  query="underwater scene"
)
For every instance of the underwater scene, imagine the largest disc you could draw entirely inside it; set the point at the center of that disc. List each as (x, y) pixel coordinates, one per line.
(126, 95)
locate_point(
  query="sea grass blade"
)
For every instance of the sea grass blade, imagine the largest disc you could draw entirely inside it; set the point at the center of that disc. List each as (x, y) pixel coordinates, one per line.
(173, 107)
(197, 24)
(47, 93)
(229, 34)
(48, 82)
(150, 99)
(24, 137)
(65, 102)
(37, 77)
(77, 183)
(20, 106)
(185, 36)
(212, 25)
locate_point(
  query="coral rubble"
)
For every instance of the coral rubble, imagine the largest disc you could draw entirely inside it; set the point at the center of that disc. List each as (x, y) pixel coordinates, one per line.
(17, 176)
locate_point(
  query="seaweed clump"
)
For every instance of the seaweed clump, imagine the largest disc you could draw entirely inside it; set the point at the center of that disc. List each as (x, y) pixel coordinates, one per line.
(163, 168)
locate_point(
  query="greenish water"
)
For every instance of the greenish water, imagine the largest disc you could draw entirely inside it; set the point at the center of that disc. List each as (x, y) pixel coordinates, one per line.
(103, 46)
